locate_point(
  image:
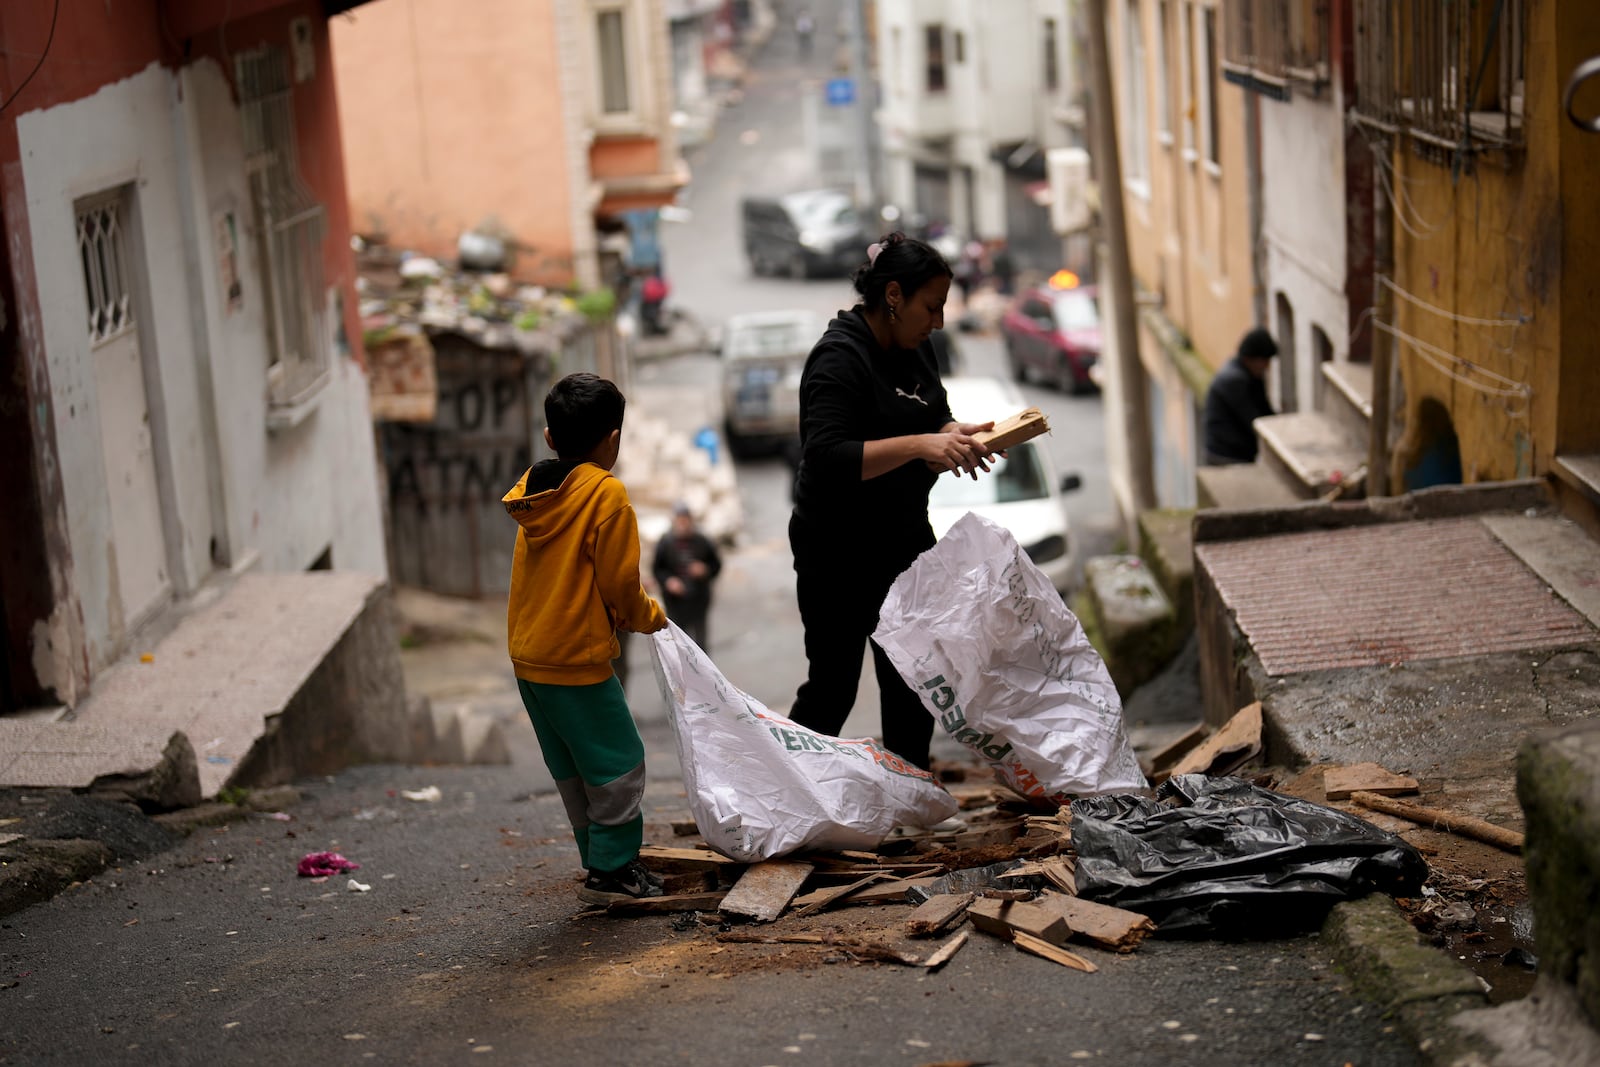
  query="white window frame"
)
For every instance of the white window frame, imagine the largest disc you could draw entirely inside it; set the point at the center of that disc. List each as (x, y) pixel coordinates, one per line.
(1163, 81)
(1208, 76)
(290, 228)
(1188, 101)
(638, 66)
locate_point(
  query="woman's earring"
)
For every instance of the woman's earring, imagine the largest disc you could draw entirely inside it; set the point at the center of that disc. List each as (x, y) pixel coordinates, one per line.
(892, 314)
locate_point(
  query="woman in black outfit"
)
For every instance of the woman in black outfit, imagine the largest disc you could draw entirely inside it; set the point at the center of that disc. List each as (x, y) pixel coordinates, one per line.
(875, 431)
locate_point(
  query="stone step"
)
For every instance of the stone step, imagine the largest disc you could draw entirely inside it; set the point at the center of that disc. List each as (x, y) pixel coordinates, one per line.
(1312, 451)
(280, 675)
(455, 734)
(1242, 487)
(1347, 396)
(1136, 621)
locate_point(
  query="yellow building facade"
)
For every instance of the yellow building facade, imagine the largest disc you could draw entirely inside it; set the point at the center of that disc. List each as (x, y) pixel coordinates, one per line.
(1494, 200)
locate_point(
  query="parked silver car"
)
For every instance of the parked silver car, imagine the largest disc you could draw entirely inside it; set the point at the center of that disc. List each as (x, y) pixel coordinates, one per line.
(763, 353)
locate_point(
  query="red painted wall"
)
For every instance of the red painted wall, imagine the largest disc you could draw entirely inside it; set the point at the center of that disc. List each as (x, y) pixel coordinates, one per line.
(98, 42)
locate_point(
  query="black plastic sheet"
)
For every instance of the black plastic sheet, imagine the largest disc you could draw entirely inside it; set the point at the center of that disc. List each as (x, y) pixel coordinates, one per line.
(1222, 856)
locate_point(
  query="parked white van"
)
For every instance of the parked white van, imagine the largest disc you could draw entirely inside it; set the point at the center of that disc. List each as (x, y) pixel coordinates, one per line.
(1022, 492)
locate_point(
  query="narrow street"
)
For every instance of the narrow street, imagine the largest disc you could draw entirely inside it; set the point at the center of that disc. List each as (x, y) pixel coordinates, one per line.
(459, 937)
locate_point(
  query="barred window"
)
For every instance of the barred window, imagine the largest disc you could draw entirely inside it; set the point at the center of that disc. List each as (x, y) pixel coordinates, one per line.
(290, 225)
(103, 249)
(1269, 44)
(1450, 75)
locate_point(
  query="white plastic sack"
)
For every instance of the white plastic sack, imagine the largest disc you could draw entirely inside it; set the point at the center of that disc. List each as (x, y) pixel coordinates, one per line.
(975, 628)
(761, 786)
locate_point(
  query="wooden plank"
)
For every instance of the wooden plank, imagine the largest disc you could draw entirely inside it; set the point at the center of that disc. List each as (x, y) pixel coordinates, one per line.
(1101, 924)
(1004, 918)
(659, 905)
(1438, 819)
(1173, 751)
(1025, 425)
(832, 895)
(765, 889)
(1238, 742)
(664, 856)
(684, 828)
(936, 913)
(942, 954)
(1339, 782)
(1053, 953)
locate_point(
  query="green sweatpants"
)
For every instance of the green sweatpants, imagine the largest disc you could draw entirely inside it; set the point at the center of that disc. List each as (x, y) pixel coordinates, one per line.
(596, 756)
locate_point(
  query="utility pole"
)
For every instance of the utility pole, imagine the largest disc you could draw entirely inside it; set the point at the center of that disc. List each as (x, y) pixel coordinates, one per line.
(865, 105)
(1133, 385)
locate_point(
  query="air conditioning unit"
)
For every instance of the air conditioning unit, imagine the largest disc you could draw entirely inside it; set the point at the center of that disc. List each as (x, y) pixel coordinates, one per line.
(1068, 169)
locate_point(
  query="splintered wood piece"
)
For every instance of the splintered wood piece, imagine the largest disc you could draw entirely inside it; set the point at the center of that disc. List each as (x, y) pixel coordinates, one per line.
(936, 913)
(1339, 782)
(1101, 924)
(1230, 748)
(892, 891)
(765, 889)
(684, 828)
(1053, 953)
(659, 905)
(942, 954)
(1005, 918)
(1061, 872)
(825, 898)
(1437, 819)
(1006, 894)
(689, 882)
(1025, 425)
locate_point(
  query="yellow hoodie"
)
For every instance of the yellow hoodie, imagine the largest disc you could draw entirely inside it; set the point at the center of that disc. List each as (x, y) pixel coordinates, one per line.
(574, 575)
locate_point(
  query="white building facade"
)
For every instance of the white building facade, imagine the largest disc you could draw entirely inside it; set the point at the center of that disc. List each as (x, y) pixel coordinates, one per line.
(974, 92)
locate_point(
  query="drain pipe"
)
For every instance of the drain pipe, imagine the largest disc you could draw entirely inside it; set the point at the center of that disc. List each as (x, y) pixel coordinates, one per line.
(1382, 324)
(1133, 386)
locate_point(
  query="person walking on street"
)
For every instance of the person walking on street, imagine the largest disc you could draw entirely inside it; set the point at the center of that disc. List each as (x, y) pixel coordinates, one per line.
(1236, 398)
(686, 563)
(875, 433)
(574, 582)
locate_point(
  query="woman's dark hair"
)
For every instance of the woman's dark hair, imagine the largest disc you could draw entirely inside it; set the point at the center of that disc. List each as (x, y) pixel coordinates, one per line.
(899, 259)
(581, 410)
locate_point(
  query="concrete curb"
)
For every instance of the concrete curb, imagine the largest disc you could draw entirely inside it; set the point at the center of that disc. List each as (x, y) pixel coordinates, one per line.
(1418, 986)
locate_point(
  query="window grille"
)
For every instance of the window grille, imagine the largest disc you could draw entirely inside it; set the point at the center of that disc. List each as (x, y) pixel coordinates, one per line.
(1448, 74)
(102, 247)
(1267, 44)
(290, 224)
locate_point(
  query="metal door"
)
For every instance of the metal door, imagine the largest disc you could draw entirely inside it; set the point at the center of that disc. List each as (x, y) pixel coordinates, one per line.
(140, 581)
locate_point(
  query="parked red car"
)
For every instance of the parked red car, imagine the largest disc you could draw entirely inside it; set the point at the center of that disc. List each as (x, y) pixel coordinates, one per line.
(1052, 334)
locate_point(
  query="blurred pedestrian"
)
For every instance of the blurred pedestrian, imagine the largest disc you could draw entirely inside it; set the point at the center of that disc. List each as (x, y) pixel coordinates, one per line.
(1236, 398)
(686, 563)
(803, 29)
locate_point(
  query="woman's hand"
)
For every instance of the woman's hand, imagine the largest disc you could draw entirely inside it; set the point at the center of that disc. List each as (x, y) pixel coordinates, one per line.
(955, 449)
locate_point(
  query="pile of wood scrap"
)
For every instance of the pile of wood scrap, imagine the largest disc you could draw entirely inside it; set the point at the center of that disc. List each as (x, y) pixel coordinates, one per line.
(1021, 862)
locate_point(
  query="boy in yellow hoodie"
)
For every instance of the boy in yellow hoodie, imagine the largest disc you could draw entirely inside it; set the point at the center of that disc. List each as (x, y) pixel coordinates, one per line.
(574, 583)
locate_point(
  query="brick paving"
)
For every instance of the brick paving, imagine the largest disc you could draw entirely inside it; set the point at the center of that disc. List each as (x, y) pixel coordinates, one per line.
(1372, 595)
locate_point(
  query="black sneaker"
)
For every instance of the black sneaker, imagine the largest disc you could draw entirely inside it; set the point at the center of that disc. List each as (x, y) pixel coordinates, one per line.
(630, 882)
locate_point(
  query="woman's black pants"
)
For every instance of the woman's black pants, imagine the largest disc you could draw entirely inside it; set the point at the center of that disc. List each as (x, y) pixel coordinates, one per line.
(840, 583)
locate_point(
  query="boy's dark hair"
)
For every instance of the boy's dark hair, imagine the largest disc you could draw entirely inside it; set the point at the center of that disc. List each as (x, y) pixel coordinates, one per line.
(580, 411)
(899, 259)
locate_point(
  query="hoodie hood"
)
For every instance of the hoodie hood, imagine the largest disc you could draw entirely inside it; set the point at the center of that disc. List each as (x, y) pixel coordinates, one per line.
(552, 495)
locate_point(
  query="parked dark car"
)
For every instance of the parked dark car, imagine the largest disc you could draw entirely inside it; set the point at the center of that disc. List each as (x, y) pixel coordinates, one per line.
(817, 232)
(1053, 335)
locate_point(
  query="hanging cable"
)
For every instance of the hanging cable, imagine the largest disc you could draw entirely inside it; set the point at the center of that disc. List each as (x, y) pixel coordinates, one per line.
(54, 14)
(1468, 320)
